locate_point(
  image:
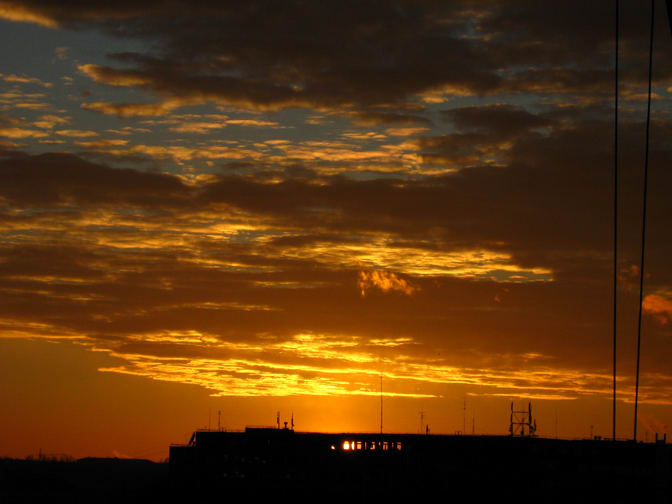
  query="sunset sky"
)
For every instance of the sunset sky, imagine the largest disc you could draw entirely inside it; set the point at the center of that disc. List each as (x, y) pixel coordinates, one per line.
(253, 206)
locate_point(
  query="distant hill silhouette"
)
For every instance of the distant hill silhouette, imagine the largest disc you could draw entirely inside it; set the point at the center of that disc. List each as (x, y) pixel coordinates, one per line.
(97, 479)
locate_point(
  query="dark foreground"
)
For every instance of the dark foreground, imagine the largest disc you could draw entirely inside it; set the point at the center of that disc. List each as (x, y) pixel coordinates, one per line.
(282, 466)
(85, 480)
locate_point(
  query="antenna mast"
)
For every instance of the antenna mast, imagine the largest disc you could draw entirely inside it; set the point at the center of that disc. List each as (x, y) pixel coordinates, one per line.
(464, 417)
(381, 402)
(520, 419)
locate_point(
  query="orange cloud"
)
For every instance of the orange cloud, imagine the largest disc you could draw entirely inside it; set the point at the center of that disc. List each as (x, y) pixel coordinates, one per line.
(22, 14)
(77, 133)
(50, 121)
(21, 133)
(197, 127)
(22, 79)
(102, 144)
(659, 307)
(133, 109)
(252, 122)
(100, 74)
(384, 281)
(403, 132)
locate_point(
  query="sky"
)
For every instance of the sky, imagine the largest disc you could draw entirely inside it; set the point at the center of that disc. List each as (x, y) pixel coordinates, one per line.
(213, 212)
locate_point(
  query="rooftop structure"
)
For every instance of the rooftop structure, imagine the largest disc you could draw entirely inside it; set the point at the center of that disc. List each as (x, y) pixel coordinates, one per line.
(280, 461)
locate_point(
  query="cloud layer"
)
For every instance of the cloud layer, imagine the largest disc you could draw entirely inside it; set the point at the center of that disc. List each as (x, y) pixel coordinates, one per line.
(296, 199)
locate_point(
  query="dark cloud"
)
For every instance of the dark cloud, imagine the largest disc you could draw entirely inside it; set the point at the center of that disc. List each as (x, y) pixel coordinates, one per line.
(352, 54)
(503, 120)
(58, 179)
(373, 117)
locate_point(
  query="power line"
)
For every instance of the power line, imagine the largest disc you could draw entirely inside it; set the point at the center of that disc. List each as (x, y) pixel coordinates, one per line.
(613, 435)
(646, 175)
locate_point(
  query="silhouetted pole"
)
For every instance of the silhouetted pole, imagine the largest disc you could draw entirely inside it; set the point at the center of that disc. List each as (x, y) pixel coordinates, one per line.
(511, 420)
(646, 179)
(613, 420)
(381, 403)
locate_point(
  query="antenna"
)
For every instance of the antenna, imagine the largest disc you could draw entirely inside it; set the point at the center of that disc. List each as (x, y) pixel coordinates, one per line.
(422, 418)
(219, 420)
(511, 420)
(520, 419)
(464, 417)
(292, 420)
(381, 402)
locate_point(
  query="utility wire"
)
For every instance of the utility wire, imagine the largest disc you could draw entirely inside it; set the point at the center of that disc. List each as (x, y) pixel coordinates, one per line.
(646, 174)
(613, 433)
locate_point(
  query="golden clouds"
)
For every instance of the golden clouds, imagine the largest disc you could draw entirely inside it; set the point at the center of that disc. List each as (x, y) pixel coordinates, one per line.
(253, 122)
(77, 133)
(133, 109)
(12, 12)
(22, 133)
(658, 306)
(201, 127)
(101, 74)
(221, 293)
(329, 365)
(381, 253)
(385, 281)
(22, 79)
(102, 144)
(197, 127)
(403, 132)
(50, 121)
